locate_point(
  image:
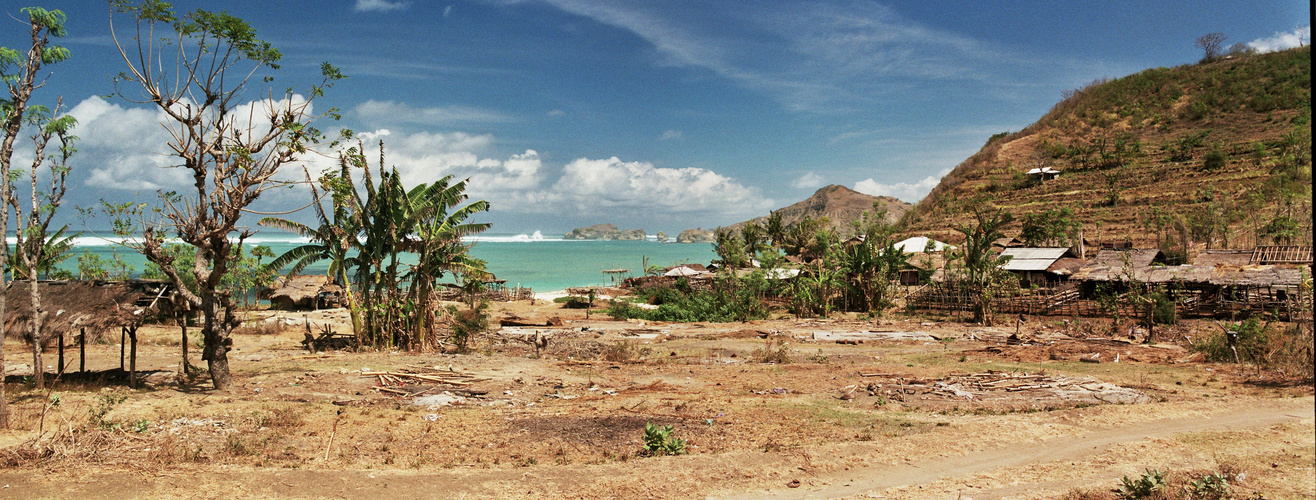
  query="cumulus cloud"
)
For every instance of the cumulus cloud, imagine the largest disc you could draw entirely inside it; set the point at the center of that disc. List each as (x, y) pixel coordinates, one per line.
(809, 180)
(1281, 41)
(592, 186)
(522, 183)
(904, 191)
(124, 147)
(378, 6)
(671, 134)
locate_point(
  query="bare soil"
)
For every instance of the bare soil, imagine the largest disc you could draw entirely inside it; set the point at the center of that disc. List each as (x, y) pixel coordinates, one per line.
(901, 408)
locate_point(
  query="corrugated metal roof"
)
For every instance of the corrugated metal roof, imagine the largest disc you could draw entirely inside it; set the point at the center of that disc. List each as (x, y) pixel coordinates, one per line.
(1032, 259)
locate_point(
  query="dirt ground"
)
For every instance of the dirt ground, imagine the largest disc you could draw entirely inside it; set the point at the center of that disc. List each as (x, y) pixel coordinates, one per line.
(782, 408)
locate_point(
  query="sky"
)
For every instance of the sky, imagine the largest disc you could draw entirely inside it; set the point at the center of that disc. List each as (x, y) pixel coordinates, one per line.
(662, 115)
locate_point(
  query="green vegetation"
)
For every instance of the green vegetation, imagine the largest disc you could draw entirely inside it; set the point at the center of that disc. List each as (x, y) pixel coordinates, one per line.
(1151, 482)
(392, 303)
(658, 440)
(716, 305)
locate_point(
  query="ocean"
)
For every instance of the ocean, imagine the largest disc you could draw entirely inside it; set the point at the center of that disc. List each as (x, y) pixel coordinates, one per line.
(545, 264)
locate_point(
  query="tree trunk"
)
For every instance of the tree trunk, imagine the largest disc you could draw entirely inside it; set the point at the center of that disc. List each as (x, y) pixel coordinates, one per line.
(215, 331)
(38, 338)
(183, 324)
(38, 369)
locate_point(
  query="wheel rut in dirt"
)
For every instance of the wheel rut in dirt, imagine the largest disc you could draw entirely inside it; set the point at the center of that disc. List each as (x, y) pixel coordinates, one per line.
(858, 481)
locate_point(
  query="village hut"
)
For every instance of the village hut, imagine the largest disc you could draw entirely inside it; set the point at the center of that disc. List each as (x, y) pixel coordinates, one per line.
(89, 308)
(1041, 266)
(302, 292)
(1043, 173)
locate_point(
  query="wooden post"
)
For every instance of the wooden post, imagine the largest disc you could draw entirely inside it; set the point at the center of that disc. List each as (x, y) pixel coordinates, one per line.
(123, 339)
(132, 364)
(82, 350)
(60, 370)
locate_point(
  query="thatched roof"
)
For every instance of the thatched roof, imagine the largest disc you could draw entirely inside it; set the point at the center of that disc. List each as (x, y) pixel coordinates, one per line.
(1137, 257)
(297, 291)
(95, 305)
(1195, 274)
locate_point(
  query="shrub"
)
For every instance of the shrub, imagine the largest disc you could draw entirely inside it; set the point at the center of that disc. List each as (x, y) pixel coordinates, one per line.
(1152, 480)
(1251, 343)
(1216, 159)
(622, 352)
(658, 440)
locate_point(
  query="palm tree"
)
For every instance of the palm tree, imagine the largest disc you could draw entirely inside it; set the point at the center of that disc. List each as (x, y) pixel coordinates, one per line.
(330, 240)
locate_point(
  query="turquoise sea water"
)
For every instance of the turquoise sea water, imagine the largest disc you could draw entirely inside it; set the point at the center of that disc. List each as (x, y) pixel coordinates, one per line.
(543, 264)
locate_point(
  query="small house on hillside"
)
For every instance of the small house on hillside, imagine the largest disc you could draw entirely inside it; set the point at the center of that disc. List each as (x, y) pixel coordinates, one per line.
(1041, 266)
(1043, 173)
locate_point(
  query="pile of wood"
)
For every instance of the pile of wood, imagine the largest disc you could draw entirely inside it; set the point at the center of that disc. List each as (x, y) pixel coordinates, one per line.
(417, 380)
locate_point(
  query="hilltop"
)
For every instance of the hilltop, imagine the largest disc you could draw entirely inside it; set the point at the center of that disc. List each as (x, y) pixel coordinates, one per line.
(1215, 154)
(839, 204)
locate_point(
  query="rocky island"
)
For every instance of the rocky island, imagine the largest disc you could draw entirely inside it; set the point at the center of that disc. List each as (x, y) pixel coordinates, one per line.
(696, 236)
(604, 232)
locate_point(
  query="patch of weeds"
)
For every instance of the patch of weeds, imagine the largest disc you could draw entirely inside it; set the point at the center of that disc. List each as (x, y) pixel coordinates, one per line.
(1211, 487)
(626, 351)
(771, 352)
(658, 440)
(819, 358)
(1152, 481)
(104, 405)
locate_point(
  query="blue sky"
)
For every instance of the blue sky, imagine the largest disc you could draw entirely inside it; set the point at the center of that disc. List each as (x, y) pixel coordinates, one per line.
(662, 115)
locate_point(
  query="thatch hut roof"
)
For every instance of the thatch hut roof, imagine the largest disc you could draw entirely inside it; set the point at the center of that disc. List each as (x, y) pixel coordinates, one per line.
(94, 305)
(1222, 275)
(297, 292)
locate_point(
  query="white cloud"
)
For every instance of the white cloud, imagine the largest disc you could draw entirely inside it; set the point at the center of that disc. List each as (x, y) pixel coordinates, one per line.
(671, 134)
(378, 6)
(447, 11)
(557, 113)
(809, 180)
(903, 191)
(521, 183)
(393, 112)
(611, 185)
(124, 148)
(1281, 41)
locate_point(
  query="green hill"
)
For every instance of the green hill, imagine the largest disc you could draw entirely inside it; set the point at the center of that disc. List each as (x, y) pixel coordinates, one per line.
(1208, 155)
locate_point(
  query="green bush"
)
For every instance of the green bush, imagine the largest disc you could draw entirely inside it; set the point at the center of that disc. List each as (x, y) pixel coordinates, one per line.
(1163, 308)
(658, 440)
(1252, 342)
(1216, 159)
(716, 306)
(1151, 481)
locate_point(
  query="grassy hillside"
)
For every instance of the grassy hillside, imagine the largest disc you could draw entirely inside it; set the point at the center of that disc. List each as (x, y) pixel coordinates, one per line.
(1205, 155)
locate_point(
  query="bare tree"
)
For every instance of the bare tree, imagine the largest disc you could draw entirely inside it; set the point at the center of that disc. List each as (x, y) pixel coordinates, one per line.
(19, 73)
(1212, 44)
(198, 77)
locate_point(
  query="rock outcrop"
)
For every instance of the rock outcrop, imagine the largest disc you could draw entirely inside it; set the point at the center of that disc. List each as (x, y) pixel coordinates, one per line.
(696, 236)
(604, 232)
